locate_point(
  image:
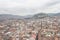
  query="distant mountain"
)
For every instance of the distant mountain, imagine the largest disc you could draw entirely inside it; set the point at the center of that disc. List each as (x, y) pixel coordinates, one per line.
(9, 16)
(53, 14)
(57, 14)
(36, 16)
(40, 15)
(43, 15)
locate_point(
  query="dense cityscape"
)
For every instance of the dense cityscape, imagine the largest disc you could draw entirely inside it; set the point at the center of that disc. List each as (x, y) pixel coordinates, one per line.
(38, 28)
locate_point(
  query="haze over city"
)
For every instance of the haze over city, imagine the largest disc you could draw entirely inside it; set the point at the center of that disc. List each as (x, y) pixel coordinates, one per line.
(29, 7)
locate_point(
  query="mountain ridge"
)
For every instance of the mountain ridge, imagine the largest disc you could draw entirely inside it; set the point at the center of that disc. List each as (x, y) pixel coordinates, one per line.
(38, 15)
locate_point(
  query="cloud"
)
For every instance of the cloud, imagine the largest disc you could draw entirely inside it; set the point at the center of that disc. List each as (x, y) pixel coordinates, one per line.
(53, 9)
(28, 7)
(22, 3)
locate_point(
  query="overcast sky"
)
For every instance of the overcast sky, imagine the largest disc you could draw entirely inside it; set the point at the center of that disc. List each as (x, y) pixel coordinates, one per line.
(29, 7)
